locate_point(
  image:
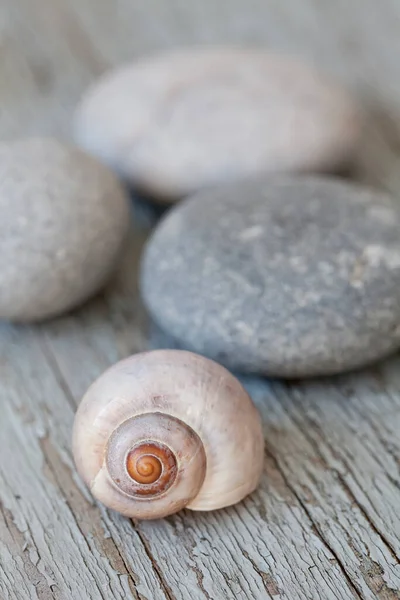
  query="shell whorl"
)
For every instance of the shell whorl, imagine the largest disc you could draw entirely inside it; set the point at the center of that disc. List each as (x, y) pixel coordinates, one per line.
(165, 430)
(152, 466)
(149, 454)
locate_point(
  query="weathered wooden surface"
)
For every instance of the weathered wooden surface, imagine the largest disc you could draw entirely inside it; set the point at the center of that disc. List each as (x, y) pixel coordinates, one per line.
(325, 523)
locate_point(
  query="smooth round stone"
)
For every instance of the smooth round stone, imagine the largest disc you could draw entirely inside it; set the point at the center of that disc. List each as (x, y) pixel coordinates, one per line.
(63, 221)
(177, 123)
(291, 276)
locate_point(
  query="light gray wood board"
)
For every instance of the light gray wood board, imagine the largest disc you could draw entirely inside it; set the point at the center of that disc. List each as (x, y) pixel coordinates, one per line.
(324, 523)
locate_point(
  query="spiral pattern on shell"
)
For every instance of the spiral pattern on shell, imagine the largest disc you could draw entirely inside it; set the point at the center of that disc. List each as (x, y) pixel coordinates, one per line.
(149, 463)
(159, 431)
(145, 458)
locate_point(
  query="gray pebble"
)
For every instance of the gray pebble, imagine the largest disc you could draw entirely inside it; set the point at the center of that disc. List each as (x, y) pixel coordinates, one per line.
(63, 220)
(287, 276)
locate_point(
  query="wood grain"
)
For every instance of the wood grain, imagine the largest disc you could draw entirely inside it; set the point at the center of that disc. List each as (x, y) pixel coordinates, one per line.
(325, 522)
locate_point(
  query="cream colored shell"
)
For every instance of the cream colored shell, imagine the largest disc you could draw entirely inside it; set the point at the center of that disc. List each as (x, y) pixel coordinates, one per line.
(200, 393)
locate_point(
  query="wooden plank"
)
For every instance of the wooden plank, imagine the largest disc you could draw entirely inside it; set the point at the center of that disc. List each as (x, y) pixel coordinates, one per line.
(325, 521)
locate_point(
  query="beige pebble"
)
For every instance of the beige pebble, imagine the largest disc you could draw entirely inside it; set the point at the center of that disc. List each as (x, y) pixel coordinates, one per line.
(63, 220)
(182, 121)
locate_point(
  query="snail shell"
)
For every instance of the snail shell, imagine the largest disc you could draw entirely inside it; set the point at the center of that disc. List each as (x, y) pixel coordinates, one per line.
(165, 430)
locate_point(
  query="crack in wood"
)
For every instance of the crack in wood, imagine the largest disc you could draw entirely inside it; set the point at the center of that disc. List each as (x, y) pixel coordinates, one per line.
(317, 529)
(200, 581)
(269, 583)
(89, 523)
(164, 585)
(373, 572)
(19, 547)
(342, 481)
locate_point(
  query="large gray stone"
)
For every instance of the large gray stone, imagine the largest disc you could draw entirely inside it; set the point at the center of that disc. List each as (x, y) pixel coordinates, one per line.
(287, 276)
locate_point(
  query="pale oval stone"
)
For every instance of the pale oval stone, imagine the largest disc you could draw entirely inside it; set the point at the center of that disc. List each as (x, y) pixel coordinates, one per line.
(286, 276)
(177, 123)
(63, 221)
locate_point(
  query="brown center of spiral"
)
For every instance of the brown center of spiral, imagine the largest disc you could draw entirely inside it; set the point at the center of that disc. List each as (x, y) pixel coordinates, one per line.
(145, 469)
(152, 465)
